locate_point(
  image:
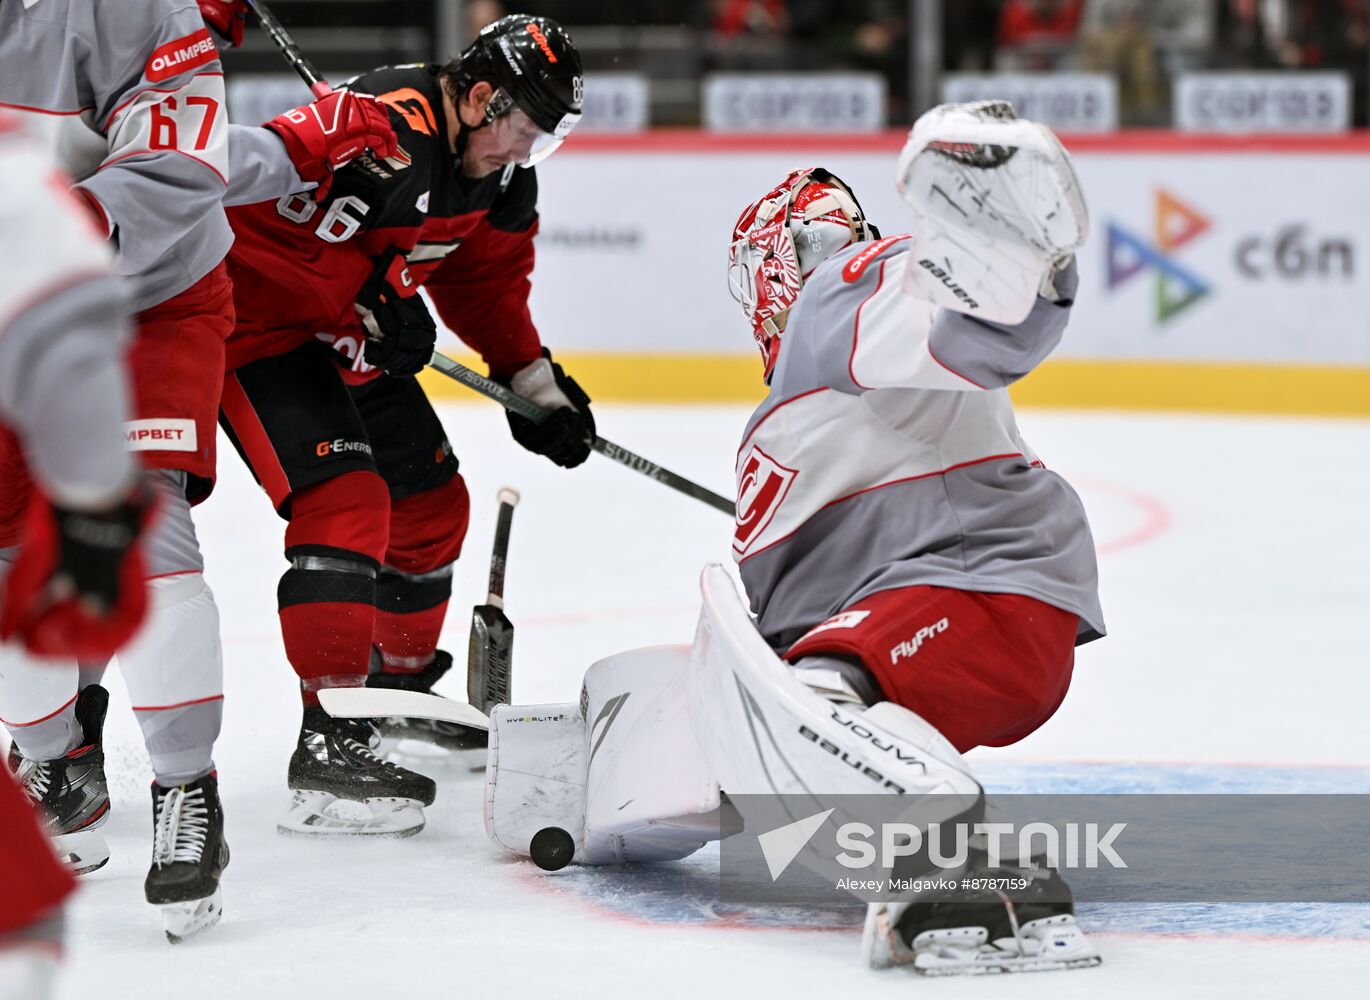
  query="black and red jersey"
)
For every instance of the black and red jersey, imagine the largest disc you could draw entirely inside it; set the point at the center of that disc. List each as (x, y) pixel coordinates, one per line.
(298, 264)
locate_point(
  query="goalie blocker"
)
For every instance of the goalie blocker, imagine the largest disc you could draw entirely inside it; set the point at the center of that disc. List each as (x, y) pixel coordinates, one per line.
(633, 774)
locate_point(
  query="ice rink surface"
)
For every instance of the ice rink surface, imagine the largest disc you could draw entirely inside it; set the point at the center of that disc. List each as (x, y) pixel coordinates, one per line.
(1233, 555)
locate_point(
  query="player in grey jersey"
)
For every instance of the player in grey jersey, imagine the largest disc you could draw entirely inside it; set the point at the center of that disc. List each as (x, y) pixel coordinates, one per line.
(77, 587)
(131, 97)
(919, 579)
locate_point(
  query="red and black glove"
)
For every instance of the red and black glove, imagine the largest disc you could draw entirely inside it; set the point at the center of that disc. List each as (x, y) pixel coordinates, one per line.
(400, 332)
(322, 136)
(78, 586)
(227, 17)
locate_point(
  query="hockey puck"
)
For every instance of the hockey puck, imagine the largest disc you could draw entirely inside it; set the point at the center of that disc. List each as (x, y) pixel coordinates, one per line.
(551, 848)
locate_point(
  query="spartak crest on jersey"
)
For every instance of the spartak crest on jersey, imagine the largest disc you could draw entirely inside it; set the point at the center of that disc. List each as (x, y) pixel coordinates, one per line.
(762, 484)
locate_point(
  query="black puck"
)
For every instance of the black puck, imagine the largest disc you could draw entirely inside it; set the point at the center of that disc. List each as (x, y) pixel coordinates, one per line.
(551, 848)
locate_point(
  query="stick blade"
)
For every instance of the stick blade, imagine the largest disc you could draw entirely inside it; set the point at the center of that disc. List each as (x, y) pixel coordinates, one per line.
(372, 703)
(489, 658)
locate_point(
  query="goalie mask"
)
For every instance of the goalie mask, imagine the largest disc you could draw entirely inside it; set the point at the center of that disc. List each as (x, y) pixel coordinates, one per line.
(778, 242)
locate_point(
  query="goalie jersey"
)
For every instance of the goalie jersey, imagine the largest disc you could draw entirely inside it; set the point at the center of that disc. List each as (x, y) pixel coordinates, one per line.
(886, 455)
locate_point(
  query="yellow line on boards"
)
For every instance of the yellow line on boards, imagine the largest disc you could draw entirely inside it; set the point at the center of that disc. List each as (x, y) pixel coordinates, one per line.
(1184, 386)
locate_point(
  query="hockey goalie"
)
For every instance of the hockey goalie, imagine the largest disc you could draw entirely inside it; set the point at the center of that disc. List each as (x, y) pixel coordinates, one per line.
(913, 570)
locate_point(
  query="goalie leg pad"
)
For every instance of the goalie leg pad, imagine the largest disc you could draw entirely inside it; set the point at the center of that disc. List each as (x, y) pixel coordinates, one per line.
(765, 732)
(621, 772)
(984, 669)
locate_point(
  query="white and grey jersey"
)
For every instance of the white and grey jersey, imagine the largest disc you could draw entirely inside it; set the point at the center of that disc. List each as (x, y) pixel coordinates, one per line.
(886, 455)
(63, 332)
(131, 95)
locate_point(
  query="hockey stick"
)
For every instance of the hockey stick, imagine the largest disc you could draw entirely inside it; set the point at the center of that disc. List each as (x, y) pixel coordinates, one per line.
(511, 401)
(374, 703)
(460, 373)
(490, 655)
(299, 62)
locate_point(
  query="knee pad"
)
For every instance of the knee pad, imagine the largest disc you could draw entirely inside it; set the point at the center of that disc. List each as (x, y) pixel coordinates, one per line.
(350, 513)
(37, 702)
(177, 659)
(427, 529)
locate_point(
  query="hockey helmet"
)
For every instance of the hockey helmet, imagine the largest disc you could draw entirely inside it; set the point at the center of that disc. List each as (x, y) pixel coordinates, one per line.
(778, 242)
(535, 68)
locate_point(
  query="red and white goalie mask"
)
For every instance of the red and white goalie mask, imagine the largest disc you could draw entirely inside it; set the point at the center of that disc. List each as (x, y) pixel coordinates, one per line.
(779, 241)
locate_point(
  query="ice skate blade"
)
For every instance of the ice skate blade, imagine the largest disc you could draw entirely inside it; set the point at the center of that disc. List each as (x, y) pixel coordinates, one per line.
(82, 852)
(181, 920)
(320, 814)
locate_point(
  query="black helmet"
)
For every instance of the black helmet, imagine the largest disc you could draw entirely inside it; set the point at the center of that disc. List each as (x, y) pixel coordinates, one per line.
(533, 65)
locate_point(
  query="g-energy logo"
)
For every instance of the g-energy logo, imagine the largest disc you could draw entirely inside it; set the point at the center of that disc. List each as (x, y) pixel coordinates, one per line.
(339, 446)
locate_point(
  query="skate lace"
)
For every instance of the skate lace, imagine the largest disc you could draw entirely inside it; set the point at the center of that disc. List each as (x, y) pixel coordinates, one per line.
(35, 776)
(181, 827)
(363, 752)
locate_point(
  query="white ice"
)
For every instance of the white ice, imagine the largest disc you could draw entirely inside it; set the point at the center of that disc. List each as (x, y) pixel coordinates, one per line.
(1233, 557)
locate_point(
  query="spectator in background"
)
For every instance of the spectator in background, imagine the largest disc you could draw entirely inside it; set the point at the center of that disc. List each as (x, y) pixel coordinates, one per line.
(478, 14)
(1116, 38)
(868, 35)
(731, 18)
(1036, 34)
(968, 35)
(1331, 35)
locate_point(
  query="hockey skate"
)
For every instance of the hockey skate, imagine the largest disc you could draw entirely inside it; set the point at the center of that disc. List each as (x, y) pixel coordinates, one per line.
(977, 931)
(405, 731)
(189, 853)
(341, 788)
(71, 791)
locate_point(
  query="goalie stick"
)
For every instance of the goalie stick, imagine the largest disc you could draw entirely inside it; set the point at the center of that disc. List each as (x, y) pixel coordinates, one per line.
(490, 655)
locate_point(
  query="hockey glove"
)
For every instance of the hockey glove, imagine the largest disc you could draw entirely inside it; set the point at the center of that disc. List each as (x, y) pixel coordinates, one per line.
(227, 17)
(400, 333)
(77, 588)
(566, 435)
(323, 136)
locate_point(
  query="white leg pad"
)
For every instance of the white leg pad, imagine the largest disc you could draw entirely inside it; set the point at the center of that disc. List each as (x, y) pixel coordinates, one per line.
(621, 772)
(765, 732)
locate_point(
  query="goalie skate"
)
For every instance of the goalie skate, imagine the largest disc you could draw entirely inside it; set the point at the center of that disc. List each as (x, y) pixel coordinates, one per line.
(975, 933)
(340, 788)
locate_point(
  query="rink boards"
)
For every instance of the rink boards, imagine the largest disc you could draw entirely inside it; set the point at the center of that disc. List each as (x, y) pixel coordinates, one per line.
(1220, 274)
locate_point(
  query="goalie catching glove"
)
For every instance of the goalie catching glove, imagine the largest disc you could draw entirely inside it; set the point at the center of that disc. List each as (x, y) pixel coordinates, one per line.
(998, 210)
(400, 332)
(77, 587)
(568, 432)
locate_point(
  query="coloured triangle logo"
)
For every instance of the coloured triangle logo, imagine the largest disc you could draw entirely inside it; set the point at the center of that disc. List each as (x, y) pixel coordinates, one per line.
(1176, 224)
(782, 845)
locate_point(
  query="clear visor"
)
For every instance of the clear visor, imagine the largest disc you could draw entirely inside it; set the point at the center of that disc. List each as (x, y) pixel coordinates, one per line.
(527, 143)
